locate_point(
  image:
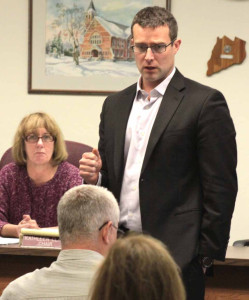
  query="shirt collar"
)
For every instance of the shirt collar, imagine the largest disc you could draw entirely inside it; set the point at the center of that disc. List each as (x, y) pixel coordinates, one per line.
(160, 88)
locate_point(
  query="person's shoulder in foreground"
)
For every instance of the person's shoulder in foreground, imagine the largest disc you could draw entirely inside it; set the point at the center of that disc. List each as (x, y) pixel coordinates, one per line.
(67, 278)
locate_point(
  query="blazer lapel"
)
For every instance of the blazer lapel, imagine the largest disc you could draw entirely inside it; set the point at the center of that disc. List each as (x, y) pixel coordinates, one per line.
(122, 116)
(171, 100)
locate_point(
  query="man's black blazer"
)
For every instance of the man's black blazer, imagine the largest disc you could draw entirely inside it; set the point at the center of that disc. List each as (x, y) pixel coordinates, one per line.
(188, 181)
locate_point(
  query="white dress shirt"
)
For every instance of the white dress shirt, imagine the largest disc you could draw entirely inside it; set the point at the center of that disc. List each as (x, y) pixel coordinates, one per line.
(140, 123)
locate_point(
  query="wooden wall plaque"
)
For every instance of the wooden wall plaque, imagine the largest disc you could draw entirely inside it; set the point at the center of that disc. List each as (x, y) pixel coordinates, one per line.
(225, 54)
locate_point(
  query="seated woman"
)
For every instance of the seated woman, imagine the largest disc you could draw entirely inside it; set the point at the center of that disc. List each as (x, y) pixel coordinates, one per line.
(31, 187)
(138, 267)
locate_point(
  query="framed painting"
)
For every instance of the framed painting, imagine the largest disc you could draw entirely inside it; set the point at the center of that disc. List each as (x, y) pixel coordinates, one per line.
(82, 47)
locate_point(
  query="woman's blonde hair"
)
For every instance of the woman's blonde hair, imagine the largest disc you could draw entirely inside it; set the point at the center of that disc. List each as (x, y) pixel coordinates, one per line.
(138, 267)
(30, 124)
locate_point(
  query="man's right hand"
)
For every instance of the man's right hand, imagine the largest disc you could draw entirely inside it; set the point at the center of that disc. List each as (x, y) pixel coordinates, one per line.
(90, 165)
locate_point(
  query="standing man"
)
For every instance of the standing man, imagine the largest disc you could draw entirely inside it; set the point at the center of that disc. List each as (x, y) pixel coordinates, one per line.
(167, 151)
(88, 218)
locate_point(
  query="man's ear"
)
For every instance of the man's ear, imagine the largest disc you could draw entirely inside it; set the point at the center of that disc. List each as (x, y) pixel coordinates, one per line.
(177, 45)
(106, 233)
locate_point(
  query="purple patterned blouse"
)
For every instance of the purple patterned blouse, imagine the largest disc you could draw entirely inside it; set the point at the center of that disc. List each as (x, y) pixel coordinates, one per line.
(19, 195)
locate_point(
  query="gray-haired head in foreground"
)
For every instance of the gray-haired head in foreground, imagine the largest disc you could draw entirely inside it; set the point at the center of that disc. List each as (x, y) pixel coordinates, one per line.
(155, 16)
(82, 210)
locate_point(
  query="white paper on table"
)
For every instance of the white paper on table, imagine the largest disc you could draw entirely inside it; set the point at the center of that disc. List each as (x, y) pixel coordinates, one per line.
(6, 241)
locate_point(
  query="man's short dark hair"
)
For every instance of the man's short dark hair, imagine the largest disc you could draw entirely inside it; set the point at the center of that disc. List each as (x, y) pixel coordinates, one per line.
(155, 16)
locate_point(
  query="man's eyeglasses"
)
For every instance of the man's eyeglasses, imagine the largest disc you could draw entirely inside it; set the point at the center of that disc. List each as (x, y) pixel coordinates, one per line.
(120, 232)
(33, 138)
(155, 48)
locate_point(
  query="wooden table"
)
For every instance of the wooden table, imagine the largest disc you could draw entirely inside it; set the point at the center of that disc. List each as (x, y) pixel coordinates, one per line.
(16, 261)
(231, 278)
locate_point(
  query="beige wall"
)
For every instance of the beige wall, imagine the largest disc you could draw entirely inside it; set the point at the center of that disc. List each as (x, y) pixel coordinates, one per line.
(200, 23)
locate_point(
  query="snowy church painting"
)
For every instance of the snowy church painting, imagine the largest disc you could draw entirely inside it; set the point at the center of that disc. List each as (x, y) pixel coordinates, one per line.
(105, 39)
(86, 37)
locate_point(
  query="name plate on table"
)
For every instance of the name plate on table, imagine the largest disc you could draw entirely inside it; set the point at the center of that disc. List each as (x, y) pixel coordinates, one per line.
(40, 238)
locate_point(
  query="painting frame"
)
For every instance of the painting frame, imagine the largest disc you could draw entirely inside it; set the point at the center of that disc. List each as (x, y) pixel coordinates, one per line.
(38, 83)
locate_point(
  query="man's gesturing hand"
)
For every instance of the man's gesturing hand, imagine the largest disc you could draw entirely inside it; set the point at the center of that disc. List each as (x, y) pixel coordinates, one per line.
(90, 165)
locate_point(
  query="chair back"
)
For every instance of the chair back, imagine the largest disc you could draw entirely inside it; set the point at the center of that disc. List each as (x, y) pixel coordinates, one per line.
(241, 243)
(74, 149)
(6, 158)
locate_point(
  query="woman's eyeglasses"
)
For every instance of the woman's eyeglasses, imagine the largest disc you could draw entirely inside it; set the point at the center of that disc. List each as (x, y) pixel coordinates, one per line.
(33, 138)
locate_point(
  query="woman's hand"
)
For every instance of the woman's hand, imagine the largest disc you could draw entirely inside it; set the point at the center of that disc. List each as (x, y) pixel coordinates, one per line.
(11, 230)
(27, 222)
